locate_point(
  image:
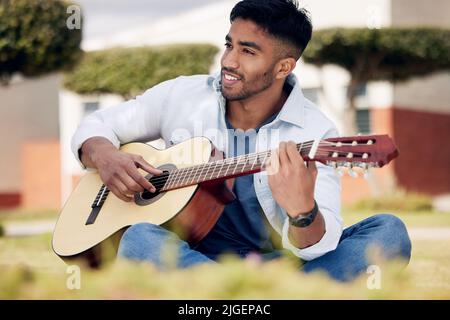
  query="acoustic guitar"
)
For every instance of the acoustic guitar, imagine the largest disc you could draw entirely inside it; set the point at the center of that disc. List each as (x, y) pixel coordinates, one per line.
(190, 193)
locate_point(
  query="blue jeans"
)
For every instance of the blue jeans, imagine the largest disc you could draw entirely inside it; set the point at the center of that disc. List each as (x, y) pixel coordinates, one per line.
(146, 242)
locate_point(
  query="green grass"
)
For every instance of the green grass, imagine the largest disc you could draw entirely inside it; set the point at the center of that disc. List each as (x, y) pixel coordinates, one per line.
(30, 270)
(21, 214)
(427, 277)
(417, 219)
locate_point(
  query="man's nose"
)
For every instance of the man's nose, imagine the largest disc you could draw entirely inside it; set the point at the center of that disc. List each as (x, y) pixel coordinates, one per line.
(230, 60)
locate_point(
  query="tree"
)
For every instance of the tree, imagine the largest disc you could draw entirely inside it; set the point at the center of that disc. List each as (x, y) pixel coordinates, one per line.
(35, 38)
(393, 54)
(130, 71)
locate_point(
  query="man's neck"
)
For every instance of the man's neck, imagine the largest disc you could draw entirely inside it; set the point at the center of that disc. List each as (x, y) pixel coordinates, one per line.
(251, 113)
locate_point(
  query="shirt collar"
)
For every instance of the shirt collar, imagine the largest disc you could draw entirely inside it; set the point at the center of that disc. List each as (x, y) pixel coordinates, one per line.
(293, 110)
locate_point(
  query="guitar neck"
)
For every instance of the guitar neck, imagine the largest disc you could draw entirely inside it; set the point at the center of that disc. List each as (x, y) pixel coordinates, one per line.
(227, 168)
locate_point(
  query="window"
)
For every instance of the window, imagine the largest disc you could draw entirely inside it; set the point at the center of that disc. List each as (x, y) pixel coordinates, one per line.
(363, 121)
(90, 107)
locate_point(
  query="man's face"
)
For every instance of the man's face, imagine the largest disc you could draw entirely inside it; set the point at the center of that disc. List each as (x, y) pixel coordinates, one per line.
(248, 61)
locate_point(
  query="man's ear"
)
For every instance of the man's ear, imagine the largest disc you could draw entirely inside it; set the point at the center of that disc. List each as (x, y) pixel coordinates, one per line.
(285, 67)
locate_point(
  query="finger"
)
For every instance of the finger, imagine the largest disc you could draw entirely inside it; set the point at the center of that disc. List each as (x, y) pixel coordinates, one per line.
(115, 190)
(141, 180)
(130, 185)
(142, 164)
(274, 161)
(293, 153)
(124, 190)
(284, 159)
(312, 168)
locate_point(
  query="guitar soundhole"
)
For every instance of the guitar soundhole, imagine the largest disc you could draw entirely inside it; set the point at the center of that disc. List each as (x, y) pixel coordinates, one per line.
(146, 197)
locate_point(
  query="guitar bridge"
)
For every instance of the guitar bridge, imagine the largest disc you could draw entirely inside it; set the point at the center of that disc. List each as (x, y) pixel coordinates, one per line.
(97, 205)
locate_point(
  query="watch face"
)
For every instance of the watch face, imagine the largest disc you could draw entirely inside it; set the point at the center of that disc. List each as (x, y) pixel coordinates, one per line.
(304, 220)
(301, 221)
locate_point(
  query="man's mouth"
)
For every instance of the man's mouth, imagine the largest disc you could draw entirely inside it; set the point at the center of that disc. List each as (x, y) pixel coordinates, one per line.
(229, 79)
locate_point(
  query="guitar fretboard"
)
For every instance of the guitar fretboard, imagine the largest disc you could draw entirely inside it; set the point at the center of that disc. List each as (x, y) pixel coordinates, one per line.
(226, 168)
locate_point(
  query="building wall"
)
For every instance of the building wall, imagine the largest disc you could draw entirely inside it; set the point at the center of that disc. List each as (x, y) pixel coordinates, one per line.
(424, 162)
(406, 13)
(29, 110)
(41, 171)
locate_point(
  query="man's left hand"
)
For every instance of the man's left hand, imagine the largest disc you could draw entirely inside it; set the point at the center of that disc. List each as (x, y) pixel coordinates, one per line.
(291, 180)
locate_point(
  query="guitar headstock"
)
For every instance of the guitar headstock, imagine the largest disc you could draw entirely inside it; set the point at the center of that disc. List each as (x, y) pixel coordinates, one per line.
(368, 151)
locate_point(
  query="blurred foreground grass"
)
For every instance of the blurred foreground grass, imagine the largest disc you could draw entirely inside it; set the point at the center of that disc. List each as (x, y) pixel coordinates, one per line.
(30, 270)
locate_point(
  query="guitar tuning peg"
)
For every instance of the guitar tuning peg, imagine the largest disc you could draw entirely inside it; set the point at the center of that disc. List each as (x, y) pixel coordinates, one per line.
(352, 173)
(337, 169)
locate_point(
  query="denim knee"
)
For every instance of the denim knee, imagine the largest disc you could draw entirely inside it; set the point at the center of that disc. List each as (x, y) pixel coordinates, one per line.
(395, 234)
(140, 239)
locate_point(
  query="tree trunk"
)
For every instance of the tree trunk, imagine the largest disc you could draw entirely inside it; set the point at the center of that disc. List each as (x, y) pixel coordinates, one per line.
(348, 116)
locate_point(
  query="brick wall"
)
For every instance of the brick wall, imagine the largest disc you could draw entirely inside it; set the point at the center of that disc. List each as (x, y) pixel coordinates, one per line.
(41, 171)
(424, 162)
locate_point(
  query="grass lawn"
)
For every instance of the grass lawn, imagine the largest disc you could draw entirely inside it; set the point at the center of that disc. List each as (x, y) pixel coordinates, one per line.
(29, 270)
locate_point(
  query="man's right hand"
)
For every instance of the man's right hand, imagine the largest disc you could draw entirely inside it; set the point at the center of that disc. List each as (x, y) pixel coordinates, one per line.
(118, 170)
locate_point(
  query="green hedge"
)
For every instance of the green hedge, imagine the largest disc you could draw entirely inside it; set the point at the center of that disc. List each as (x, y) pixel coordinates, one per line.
(397, 201)
(130, 71)
(382, 54)
(34, 38)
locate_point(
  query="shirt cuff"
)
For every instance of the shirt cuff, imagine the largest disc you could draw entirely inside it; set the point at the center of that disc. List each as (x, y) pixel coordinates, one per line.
(329, 241)
(86, 133)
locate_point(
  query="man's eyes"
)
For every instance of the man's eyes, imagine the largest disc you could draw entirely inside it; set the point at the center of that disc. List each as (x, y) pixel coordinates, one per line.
(244, 50)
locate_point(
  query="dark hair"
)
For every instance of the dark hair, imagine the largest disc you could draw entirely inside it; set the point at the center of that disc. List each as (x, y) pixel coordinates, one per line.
(282, 19)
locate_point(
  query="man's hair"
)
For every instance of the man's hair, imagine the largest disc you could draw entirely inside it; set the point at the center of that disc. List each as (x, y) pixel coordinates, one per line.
(282, 19)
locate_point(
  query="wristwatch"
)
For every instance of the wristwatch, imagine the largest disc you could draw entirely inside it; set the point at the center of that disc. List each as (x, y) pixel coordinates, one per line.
(304, 219)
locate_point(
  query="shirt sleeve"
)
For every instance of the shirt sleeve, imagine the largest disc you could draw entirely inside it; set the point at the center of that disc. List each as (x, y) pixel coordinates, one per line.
(328, 197)
(138, 119)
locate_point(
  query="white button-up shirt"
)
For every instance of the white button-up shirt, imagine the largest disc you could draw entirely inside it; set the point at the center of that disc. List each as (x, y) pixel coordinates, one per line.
(185, 107)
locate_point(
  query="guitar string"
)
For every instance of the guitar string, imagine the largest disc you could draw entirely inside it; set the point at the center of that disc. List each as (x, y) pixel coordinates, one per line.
(160, 181)
(178, 175)
(181, 173)
(175, 181)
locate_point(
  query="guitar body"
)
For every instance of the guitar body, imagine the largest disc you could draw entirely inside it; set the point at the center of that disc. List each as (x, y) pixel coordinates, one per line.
(190, 211)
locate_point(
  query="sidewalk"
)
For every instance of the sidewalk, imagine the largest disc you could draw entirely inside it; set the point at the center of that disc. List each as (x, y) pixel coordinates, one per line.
(17, 229)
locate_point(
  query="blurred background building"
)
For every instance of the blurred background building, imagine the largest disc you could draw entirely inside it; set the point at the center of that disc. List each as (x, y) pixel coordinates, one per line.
(39, 116)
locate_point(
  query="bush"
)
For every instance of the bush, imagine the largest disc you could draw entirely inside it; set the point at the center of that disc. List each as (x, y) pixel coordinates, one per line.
(130, 71)
(34, 38)
(381, 54)
(2, 231)
(398, 201)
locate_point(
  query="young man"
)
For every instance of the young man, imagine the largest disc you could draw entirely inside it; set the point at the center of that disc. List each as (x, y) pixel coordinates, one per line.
(257, 93)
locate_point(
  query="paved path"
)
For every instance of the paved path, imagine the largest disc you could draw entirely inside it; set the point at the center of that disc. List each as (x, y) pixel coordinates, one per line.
(17, 229)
